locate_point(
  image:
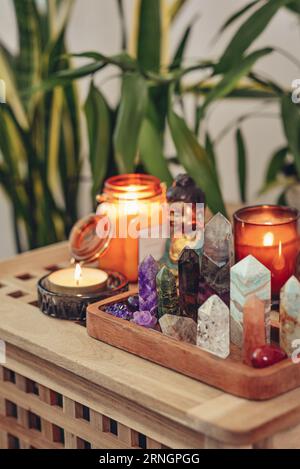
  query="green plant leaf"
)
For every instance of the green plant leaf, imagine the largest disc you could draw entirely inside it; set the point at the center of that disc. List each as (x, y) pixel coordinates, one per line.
(98, 117)
(266, 84)
(294, 7)
(236, 16)
(29, 58)
(69, 155)
(282, 198)
(196, 162)
(123, 23)
(248, 33)
(53, 136)
(246, 92)
(151, 150)
(176, 7)
(241, 164)
(12, 144)
(63, 15)
(180, 51)
(231, 78)
(291, 123)
(129, 121)
(65, 77)
(210, 151)
(11, 147)
(12, 94)
(149, 35)
(122, 60)
(276, 165)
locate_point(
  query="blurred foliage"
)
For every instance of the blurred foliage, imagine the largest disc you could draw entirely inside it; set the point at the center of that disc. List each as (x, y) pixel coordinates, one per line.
(40, 166)
(40, 133)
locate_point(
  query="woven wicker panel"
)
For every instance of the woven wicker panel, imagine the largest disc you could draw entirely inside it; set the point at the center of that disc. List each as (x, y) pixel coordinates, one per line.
(33, 416)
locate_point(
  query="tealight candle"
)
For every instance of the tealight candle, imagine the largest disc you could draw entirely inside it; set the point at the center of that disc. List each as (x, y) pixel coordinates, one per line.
(78, 281)
(270, 234)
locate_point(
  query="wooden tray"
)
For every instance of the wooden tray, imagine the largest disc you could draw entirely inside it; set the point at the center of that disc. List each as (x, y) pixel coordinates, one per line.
(230, 375)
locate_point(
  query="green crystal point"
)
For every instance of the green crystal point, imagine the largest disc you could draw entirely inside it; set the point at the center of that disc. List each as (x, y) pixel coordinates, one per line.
(167, 293)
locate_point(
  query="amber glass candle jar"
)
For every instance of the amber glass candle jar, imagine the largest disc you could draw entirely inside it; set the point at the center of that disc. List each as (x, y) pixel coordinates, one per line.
(126, 198)
(270, 234)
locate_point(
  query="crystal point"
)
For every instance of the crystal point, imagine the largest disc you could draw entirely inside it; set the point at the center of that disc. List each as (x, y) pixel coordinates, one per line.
(216, 260)
(189, 274)
(167, 293)
(184, 329)
(254, 330)
(147, 285)
(213, 332)
(248, 277)
(218, 240)
(289, 315)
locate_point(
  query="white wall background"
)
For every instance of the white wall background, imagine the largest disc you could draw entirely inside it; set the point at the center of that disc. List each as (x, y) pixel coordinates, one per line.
(95, 26)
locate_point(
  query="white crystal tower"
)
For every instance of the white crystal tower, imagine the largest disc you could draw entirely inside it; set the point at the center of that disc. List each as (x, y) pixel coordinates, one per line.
(248, 277)
(290, 315)
(213, 331)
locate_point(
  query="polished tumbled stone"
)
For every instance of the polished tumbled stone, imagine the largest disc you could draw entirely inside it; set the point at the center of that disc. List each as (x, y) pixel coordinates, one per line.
(188, 275)
(167, 293)
(216, 260)
(213, 332)
(248, 277)
(290, 315)
(184, 329)
(148, 300)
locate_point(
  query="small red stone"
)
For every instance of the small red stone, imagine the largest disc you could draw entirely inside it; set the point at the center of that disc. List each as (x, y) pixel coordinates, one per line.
(267, 355)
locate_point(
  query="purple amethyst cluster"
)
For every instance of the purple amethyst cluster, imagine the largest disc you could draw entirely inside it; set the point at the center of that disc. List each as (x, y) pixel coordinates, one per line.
(148, 271)
(142, 309)
(120, 310)
(145, 319)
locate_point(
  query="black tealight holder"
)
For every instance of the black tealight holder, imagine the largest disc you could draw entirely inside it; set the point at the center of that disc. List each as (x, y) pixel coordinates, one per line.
(73, 307)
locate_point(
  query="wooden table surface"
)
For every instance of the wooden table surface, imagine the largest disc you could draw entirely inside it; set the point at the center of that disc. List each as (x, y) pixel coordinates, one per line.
(223, 419)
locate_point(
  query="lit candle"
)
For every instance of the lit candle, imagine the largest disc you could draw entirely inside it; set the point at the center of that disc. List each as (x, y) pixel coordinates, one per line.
(129, 203)
(78, 281)
(270, 234)
(132, 202)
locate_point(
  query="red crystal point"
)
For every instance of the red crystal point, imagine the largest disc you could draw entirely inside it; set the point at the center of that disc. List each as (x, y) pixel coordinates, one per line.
(267, 355)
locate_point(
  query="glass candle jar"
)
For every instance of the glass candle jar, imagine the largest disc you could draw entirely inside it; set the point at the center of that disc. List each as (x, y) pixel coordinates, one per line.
(131, 202)
(270, 234)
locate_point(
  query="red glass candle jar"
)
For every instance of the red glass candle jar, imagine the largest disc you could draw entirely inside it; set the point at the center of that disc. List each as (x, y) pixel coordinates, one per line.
(270, 234)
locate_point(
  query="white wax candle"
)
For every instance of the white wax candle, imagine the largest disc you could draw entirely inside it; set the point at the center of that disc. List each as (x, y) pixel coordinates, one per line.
(77, 281)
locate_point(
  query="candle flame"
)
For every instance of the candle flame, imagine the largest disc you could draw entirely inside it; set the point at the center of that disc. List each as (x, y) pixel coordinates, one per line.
(268, 239)
(78, 273)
